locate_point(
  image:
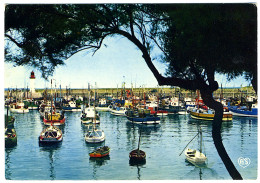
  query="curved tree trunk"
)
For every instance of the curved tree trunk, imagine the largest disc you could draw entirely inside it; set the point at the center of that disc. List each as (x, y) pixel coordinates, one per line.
(216, 133)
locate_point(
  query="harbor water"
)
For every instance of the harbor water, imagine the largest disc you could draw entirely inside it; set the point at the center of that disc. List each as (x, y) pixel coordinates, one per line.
(162, 143)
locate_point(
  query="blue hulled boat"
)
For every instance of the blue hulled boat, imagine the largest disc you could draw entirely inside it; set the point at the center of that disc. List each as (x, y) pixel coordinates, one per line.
(142, 116)
(244, 111)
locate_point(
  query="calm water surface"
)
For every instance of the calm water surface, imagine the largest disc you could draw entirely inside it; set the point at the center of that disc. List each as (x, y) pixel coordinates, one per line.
(162, 144)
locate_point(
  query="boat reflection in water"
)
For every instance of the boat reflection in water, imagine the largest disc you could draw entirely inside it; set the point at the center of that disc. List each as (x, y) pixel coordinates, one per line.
(51, 149)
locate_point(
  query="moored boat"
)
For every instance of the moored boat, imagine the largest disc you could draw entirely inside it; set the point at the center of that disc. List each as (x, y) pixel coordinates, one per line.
(18, 107)
(10, 137)
(95, 136)
(208, 115)
(137, 155)
(55, 118)
(50, 135)
(142, 116)
(196, 157)
(100, 152)
(118, 111)
(71, 106)
(244, 111)
(88, 116)
(103, 105)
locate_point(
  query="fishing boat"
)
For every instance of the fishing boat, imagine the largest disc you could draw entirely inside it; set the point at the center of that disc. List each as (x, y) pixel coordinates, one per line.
(88, 116)
(10, 137)
(118, 111)
(50, 135)
(244, 111)
(32, 105)
(142, 116)
(18, 107)
(54, 117)
(100, 152)
(102, 105)
(196, 157)
(9, 121)
(208, 115)
(45, 107)
(137, 155)
(154, 108)
(95, 136)
(71, 106)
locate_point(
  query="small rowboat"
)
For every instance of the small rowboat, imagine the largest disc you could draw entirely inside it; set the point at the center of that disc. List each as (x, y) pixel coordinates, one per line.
(137, 155)
(100, 152)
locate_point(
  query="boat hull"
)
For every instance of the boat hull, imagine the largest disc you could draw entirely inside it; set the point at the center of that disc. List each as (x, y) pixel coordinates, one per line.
(118, 113)
(100, 152)
(137, 157)
(87, 121)
(20, 111)
(145, 120)
(195, 157)
(10, 142)
(105, 109)
(47, 141)
(95, 139)
(33, 107)
(244, 113)
(54, 122)
(71, 109)
(210, 117)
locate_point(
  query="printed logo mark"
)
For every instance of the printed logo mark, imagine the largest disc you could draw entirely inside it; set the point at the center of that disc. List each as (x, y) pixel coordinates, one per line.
(244, 162)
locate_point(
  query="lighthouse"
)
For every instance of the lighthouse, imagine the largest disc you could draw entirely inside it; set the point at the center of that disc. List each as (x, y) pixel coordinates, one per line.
(32, 79)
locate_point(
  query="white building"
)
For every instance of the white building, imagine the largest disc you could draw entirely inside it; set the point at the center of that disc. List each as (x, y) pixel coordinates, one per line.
(32, 80)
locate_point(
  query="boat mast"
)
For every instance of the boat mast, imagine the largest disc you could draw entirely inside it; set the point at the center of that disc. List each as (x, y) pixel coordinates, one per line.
(138, 151)
(200, 133)
(189, 143)
(51, 100)
(60, 96)
(7, 108)
(94, 105)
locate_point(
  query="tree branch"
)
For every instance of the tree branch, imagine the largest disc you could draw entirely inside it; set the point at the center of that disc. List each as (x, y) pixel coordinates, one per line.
(14, 41)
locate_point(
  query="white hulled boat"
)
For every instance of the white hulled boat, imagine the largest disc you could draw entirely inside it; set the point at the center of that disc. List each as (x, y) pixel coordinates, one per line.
(18, 107)
(196, 157)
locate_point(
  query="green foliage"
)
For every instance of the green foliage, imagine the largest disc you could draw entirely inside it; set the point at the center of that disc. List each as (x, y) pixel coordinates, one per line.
(197, 40)
(211, 38)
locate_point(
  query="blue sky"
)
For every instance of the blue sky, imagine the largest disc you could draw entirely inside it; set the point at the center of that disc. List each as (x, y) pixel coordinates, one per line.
(109, 67)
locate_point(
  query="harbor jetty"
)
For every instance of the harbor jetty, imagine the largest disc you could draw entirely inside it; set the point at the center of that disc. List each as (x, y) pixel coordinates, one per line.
(118, 92)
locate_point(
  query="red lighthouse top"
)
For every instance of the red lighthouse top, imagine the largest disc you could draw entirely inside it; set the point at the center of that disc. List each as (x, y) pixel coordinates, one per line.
(32, 75)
